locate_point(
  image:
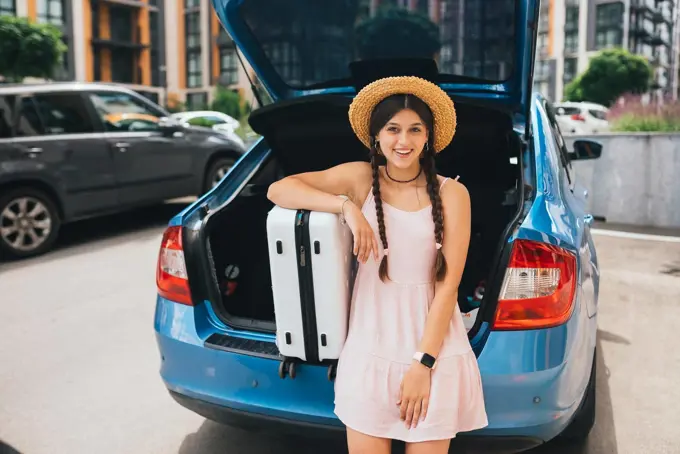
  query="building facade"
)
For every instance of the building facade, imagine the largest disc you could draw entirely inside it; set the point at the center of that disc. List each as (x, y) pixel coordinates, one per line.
(573, 31)
(172, 51)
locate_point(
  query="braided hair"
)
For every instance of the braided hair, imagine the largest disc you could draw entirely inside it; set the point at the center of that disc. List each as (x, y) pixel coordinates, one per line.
(382, 270)
(383, 112)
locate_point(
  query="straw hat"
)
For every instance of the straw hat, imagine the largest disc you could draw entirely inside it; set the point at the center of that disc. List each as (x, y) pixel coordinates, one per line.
(439, 102)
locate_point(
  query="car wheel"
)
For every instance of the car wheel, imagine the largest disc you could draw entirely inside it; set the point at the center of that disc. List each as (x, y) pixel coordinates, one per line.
(217, 170)
(584, 420)
(29, 222)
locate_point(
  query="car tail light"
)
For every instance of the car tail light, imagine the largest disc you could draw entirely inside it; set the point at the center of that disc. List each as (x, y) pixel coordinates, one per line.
(538, 289)
(578, 117)
(171, 273)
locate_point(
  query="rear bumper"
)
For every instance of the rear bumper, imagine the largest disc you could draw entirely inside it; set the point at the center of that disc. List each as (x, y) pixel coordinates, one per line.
(531, 392)
(256, 422)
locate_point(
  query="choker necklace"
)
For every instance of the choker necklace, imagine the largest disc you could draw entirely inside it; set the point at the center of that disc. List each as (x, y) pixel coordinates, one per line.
(403, 181)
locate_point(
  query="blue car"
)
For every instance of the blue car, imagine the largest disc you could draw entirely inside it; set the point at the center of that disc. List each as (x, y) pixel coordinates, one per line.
(529, 291)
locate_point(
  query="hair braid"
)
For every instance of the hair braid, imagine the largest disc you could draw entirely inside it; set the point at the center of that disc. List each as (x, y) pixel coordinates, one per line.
(437, 216)
(382, 270)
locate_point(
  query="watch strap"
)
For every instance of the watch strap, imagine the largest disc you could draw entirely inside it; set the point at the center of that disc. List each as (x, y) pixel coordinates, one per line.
(425, 359)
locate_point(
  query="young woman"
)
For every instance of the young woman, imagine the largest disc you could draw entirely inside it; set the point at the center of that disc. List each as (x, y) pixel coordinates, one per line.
(407, 371)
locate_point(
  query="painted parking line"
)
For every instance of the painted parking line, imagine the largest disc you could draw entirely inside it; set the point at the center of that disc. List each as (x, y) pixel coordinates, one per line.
(636, 236)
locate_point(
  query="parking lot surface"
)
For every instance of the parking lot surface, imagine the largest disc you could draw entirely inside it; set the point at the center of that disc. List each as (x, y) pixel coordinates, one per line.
(79, 364)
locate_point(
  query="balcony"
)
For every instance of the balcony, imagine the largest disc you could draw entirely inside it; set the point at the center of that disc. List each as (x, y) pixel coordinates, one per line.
(657, 40)
(661, 17)
(642, 7)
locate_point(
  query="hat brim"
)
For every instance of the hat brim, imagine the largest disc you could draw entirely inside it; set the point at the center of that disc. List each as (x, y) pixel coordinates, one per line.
(441, 105)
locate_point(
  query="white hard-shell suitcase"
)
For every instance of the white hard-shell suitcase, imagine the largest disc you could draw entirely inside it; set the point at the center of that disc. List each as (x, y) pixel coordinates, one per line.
(312, 268)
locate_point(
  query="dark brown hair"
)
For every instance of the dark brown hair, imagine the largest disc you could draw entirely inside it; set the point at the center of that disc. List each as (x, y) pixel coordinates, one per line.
(383, 112)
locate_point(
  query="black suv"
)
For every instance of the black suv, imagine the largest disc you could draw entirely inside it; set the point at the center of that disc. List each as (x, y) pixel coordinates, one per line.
(74, 150)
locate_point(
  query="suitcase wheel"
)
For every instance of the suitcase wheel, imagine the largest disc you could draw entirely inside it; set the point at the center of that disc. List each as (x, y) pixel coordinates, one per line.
(287, 367)
(332, 370)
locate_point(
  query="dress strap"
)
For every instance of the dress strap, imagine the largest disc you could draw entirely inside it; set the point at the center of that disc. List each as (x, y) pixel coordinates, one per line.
(447, 179)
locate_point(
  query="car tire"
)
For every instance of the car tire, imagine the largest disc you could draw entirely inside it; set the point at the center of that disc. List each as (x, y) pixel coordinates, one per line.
(22, 211)
(584, 420)
(216, 171)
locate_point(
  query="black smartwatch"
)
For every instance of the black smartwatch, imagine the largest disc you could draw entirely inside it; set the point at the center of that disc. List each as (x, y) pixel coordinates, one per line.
(425, 359)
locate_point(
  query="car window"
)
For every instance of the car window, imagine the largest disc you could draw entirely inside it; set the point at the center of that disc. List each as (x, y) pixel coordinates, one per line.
(215, 120)
(63, 113)
(123, 112)
(557, 134)
(6, 115)
(206, 120)
(599, 114)
(28, 122)
(560, 111)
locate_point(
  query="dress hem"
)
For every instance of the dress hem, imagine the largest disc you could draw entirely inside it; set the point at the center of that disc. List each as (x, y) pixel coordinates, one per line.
(420, 439)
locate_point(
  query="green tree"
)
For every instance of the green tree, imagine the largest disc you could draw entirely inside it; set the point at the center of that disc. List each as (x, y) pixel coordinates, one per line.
(395, 32)
(28, 49)
(228, 102)
(610, 74)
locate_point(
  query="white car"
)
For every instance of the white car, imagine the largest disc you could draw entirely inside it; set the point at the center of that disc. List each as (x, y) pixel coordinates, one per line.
(581, 117)
(221, 122)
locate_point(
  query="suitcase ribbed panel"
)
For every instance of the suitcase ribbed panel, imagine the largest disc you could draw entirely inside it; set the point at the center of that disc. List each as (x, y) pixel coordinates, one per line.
(283, 261)
(244, 346)
(331, 244)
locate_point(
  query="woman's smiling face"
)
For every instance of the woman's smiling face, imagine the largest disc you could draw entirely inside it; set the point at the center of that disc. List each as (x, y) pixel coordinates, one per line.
(403, 139)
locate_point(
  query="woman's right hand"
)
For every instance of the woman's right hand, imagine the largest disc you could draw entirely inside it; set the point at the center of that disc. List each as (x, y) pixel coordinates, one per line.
(364, 236)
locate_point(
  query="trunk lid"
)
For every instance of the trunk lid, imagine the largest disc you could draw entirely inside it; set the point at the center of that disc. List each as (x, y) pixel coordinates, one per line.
(477, 48)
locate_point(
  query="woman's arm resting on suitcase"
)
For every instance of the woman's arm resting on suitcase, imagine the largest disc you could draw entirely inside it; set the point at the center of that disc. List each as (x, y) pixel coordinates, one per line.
(318, 191)
(415, 391)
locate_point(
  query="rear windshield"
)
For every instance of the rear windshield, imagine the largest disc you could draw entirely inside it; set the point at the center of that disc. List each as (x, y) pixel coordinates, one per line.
(310, 43)
(567, 110)
(598, 114)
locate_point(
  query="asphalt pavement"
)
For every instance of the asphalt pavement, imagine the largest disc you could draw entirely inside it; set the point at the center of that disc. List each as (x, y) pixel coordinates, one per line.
(79, 364)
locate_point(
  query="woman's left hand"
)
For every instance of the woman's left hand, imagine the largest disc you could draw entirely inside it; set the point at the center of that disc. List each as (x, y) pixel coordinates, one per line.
(414, 395)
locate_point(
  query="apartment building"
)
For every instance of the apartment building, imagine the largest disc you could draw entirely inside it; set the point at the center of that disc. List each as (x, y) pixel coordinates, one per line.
(168, 50)
(573, 31)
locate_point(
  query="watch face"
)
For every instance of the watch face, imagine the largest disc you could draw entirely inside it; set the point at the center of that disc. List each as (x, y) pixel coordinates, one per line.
(427, 360)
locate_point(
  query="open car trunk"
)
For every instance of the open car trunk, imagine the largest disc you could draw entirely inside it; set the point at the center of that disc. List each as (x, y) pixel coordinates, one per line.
(313, 133)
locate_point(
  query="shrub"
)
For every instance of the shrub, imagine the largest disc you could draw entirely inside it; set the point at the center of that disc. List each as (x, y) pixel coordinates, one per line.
(633, 113)
(228, 102)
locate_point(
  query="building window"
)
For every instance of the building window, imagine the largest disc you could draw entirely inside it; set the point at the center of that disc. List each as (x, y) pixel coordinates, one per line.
(569, 69)
(423, 7)
(123, 66)
(228, 66)
(571, 30)
(121, 23)
(51, 11)
(8, 8)
(193, 40)
(571, 43)
(542, 70)
(285, 58)
(155, 50)
(192, 4)
(194, 74)
(609, 25)
(193, 29)
(62, 72)
(197, 101)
